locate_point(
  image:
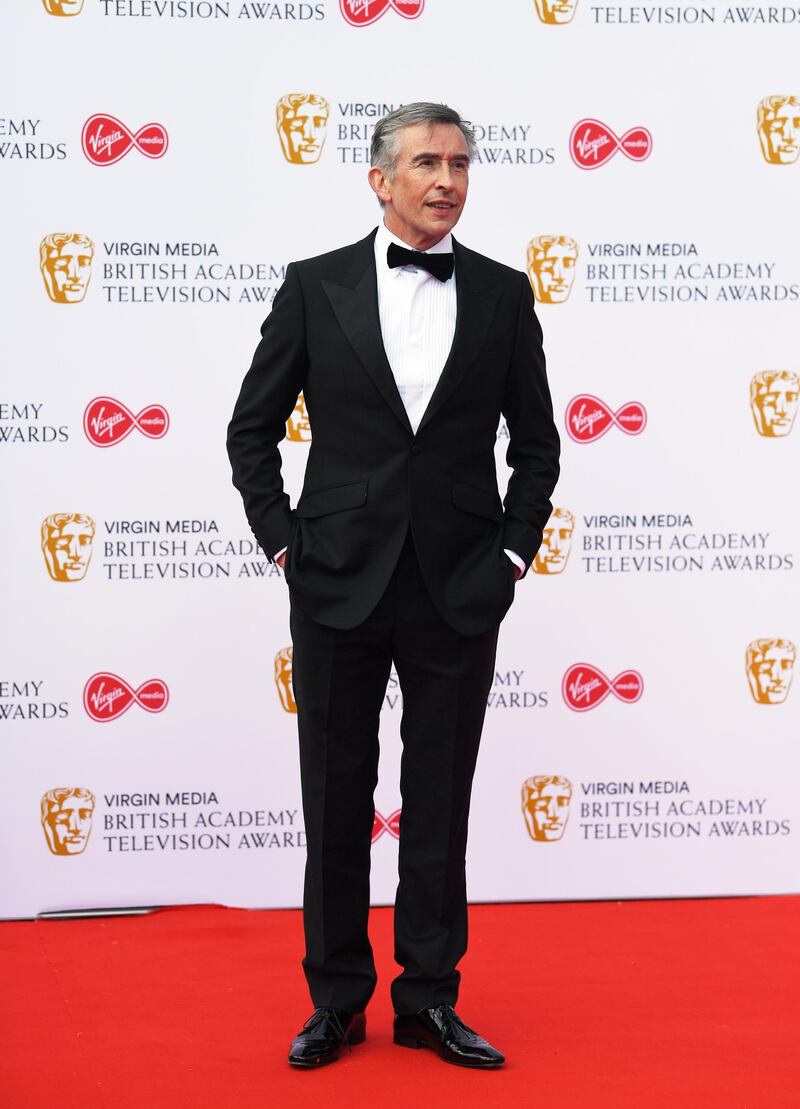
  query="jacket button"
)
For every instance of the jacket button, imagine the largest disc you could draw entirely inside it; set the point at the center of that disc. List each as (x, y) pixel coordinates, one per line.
(416, 449)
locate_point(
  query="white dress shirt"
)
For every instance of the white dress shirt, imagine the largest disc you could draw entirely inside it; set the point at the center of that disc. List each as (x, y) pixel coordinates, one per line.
(418, 321)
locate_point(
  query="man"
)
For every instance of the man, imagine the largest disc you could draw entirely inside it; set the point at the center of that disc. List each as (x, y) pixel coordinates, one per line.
(399, 551)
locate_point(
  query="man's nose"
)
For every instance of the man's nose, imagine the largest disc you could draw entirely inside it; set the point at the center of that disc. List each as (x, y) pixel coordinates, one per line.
(72, 268)
(558, 272)
(73, 823)
(780, 404)
(74, 549)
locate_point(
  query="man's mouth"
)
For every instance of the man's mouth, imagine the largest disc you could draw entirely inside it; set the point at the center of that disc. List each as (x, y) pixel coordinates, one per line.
(441, 205)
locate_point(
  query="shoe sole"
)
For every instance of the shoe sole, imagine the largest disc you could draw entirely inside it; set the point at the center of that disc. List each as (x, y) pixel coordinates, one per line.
(415, 1042)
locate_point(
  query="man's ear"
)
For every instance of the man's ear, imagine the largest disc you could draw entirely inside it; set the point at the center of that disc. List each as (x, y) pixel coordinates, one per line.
(379, 183)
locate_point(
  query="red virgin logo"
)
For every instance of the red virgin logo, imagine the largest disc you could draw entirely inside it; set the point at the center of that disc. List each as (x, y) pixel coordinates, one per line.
(592, 144)
(107, 422)
(585, 687)
(360, 13)
(107, 696)
(588, 418)
(390, 824)
(105, 140)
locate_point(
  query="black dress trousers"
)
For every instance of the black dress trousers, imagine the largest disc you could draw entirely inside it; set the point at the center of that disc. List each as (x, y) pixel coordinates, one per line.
(339, 679)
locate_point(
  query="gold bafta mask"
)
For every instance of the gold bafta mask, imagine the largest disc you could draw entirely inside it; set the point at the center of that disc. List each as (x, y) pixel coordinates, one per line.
(779, 129)
(556, 11)
(67, 819)
(770, 667)
(551, 267)
(546, 799)
(773, 399)
(551, 558)
(283, 679)
(302, 122)
(63, 7)
(67, 544)
(298, 427)
(66, 264)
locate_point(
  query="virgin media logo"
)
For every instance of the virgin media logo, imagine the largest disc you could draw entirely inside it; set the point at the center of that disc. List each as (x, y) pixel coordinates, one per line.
(106, 140)
(390, 824)
(588, 418)
(107, 696)
(592, 144)
(585, 687)
(360, 13)
(107, 422)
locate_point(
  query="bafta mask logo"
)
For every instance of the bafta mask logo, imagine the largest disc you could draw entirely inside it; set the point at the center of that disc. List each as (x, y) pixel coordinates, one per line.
(779, 129)
(67, 544)
(556, 11)
(298, 426)
(546, 800)
(283, 679)
(67, 819)
(63, 7)
(65, 260)
(551, 267)
(552, 556)
(302, 122)
(773, 399)
(770, 667)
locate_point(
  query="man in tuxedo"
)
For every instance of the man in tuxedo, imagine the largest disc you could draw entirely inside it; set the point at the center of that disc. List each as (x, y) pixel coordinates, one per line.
(408, 348)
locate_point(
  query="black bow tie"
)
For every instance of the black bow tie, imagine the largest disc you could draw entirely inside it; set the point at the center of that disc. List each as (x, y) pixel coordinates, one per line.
(440, 265)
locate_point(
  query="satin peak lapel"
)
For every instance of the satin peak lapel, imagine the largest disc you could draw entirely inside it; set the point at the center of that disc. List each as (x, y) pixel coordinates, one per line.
(476, 303)
(356, 309)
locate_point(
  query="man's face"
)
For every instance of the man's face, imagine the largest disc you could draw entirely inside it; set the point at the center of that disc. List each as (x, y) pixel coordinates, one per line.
(70, 825)
(302, 132)
(770, 674)
(66, 272)
(298, 427)
(556, 11)
(283, 679)
(63, 7)
(780, 134)
(775, 406)
(547, 812)
(424, 199)
(68, 551)
(551, 558)
(552, 272)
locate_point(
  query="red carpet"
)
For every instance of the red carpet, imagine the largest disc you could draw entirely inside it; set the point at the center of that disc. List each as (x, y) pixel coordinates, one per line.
(633, 1005)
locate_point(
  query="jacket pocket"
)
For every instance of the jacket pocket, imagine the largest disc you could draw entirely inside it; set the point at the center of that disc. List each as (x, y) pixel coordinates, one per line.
(336, 498)
(477, 501)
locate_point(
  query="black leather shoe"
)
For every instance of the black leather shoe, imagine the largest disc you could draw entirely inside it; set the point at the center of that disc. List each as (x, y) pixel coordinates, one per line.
(443, 1030)
(322, 1037)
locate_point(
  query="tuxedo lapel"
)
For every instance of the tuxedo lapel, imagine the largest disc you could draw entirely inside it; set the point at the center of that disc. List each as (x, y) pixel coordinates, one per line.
(355, 305)
(476, 302)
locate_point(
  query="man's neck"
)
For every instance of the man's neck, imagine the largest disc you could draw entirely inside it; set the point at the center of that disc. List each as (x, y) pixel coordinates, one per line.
(420, 244)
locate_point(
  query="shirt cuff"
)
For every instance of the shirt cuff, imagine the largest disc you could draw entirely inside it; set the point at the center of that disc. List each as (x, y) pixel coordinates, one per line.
(278, 554)
(516, 560)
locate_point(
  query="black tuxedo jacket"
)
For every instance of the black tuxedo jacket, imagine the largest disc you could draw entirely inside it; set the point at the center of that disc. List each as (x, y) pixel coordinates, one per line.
(368, 475)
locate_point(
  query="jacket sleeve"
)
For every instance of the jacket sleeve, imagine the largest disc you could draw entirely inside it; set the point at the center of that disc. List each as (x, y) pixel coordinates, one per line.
(269, 393)
(533, 439)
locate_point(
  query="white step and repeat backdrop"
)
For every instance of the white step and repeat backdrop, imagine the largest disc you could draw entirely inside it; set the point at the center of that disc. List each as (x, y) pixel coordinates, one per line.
(162, 161)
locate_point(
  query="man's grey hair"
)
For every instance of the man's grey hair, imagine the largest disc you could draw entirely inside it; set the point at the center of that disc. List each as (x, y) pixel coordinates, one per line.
(385, 137)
